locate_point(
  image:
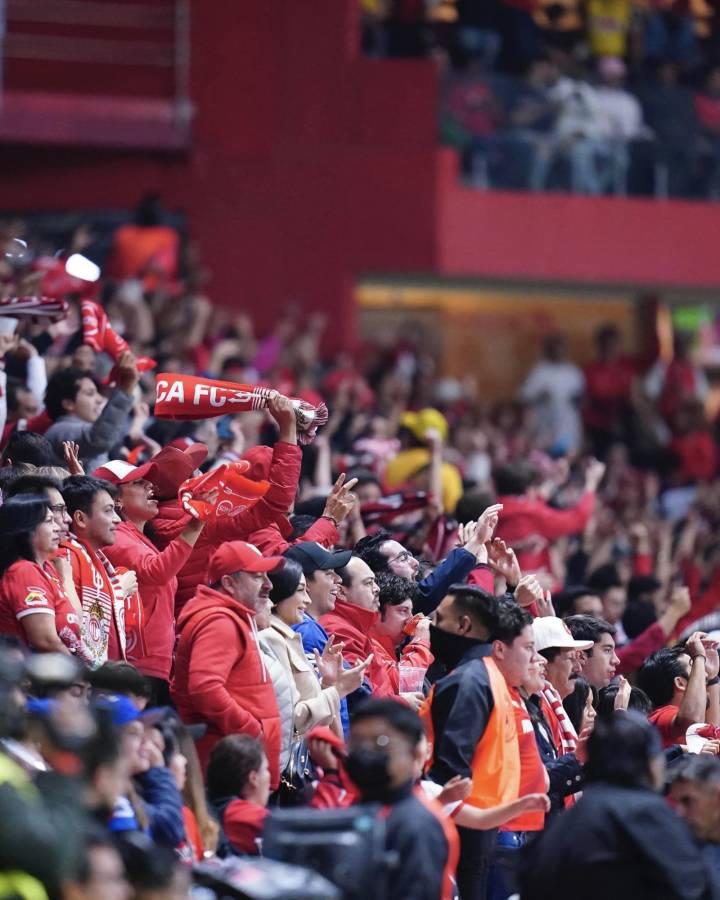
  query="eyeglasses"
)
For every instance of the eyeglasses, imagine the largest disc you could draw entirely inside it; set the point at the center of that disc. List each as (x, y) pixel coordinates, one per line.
(58, 509)
(405, 556)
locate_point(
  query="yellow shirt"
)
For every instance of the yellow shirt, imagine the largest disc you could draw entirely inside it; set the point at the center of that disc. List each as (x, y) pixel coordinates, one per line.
(608, 26)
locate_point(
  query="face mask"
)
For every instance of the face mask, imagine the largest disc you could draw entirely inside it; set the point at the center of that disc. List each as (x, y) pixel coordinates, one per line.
(368, 770)
(449, 648)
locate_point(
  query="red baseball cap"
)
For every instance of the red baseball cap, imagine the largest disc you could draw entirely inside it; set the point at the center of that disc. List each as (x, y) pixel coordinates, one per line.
(238, 556)
(175, 466)
(260, 459)
(117, 471)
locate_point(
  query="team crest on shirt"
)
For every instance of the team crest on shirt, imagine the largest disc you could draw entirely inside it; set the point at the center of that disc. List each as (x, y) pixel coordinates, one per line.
(35, 597)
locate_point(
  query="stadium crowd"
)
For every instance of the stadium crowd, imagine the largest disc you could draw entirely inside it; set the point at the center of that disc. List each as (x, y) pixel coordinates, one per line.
(487, 632)
(592, 96)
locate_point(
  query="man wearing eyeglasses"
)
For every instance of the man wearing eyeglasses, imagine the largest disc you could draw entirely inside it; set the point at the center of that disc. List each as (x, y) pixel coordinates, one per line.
(383, 554)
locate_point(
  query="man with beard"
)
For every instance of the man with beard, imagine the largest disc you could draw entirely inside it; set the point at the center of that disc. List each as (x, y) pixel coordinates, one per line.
(470, 722)
(220, 677)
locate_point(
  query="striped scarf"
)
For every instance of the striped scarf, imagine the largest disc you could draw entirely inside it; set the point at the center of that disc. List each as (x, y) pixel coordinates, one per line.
(568, 735)
(101, 596)
(38, 307)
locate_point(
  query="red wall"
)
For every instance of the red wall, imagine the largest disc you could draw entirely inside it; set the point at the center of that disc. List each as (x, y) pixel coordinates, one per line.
(555, 237)
(311, 166)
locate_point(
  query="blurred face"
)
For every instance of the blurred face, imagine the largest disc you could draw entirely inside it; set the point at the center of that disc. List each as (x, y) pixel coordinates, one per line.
(400, 561)
(378, 735)
(368, 493)
(614, 604)
(132, 739)
(363, 589)
(323, 587)
(514, 659)
(107, 875)
(699, 805)
(98, 527)
(88, 402)
(589, 605)
(59, 511)
(292, 610)
(599, 668)
(251, 589)
(259, 782)
(394, 619)
(27, 405)
(178, 767)
(46, 537)
(535, 681)
(137, 501)
(561, 671)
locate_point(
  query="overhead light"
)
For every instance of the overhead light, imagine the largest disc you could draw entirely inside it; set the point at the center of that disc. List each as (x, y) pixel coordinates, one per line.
(80, 266)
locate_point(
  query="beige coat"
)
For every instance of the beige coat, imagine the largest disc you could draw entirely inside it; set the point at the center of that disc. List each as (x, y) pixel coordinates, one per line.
(314, 705)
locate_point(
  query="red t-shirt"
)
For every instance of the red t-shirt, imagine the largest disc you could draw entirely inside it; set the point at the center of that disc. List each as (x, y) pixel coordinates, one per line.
(664, 719)
(28, 589)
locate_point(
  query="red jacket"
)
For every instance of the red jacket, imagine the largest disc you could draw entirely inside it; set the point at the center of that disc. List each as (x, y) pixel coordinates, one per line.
(633, 654)
(351, 624)
(220, 677)
(529, 526)
(273, 540)
(156, 585)
(243, 824)
(171, 520)
(416, 655)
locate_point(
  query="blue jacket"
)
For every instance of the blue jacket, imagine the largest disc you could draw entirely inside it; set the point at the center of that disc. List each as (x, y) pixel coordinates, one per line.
(164, 806)
(454, 569)
(314, 637)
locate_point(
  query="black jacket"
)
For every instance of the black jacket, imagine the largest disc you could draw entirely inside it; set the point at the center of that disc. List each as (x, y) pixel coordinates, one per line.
(564, 771)
(616, 844)
(417, 842)
(461, 707)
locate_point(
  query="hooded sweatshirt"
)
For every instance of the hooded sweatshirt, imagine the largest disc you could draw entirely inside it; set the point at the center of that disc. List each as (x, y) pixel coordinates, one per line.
(221, 678)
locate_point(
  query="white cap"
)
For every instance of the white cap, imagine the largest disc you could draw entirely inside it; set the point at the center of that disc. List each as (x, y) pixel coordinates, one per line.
(550, 631)
(117, 471)
(8, 326)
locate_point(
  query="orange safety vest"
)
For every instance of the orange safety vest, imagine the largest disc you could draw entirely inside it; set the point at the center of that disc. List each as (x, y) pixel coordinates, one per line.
(496, 761)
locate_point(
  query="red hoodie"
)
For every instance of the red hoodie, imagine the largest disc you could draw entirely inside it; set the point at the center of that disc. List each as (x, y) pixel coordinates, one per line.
(351, 624)
(171, 520)
(529, 526)
(220, 677)
(156, 585)
(416, 655)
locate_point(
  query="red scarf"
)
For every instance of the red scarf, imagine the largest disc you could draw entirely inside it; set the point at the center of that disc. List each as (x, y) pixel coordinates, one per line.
(99, 334)
(234, 491)
(566, 732)
(103, 604)
(186, 397)
(38, 307)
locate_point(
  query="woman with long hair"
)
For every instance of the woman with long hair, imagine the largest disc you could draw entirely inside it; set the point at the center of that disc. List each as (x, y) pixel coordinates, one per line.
(34, 603)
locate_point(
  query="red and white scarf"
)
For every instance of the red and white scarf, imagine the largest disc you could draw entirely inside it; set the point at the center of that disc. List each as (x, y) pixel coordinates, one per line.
(99, 334)
(101, 596)
(234, 491)
(187, 397)
(37, 307)
(568, 735)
